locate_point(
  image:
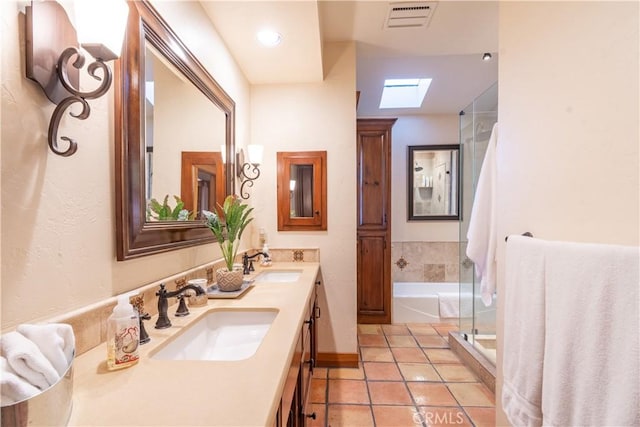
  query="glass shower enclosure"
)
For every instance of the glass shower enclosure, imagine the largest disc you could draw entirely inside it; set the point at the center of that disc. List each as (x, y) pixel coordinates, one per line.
(477, 322)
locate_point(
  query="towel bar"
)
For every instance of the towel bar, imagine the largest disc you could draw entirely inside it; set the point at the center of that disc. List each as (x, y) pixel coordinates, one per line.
(526, 233)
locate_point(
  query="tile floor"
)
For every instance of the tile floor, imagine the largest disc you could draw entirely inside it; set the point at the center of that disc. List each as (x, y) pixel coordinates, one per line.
(407, 376)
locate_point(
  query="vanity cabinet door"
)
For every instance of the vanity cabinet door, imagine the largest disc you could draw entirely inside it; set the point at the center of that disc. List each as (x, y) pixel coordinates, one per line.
(309, 357)
(296, 393)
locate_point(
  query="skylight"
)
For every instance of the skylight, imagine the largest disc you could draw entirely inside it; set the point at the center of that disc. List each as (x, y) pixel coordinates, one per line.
(404, 93)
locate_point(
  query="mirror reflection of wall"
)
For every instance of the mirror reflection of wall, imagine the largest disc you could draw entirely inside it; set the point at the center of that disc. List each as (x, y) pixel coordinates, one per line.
(178, 117)
(301, 187)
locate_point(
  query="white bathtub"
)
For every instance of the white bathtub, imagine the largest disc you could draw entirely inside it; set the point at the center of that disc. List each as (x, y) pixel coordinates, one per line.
(415, 302)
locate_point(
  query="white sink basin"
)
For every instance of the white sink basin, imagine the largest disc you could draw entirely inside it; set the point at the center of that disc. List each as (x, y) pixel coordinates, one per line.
(220, 335)
(278, 276)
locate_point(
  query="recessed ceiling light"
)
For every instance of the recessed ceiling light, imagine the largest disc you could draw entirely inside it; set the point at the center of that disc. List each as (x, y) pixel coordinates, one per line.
(269, 38)
(404, 93)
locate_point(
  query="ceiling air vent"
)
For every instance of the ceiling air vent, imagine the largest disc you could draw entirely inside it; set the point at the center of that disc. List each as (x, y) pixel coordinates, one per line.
(410, 14)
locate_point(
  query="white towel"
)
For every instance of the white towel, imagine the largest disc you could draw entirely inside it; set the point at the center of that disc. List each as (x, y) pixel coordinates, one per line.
(523, 331)
(449, 304)
(12, 387)
(55, 341)
(26, 359)
(481, 235)
(591, 374)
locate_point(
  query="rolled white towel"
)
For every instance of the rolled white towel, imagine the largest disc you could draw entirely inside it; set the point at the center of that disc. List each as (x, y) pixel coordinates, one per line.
(55, 340)
(26, 359)
(12, 387)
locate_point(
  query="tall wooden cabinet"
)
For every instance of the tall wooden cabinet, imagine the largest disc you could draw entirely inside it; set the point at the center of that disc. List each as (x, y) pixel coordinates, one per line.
(374, 220)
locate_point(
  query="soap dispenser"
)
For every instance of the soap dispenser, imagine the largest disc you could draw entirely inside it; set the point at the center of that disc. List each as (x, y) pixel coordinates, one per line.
(123, 335)
(266, 258)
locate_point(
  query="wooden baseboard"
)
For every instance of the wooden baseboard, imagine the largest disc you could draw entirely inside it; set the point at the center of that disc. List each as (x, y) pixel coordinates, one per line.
(337, 360)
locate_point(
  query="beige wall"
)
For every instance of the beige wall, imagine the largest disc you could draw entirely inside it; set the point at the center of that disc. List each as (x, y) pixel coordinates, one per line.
(58, 221)
(568, 150)
(306, 117)
(418, 130)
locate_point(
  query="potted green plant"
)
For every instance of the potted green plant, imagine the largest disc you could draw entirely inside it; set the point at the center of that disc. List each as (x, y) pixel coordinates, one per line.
(228, 226)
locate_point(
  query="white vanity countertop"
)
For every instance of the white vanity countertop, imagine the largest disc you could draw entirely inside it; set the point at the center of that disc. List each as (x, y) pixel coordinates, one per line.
(198, 393)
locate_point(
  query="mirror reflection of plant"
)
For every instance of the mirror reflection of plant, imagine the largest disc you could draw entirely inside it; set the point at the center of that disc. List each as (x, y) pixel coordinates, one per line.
(164, 212)
(228, 226)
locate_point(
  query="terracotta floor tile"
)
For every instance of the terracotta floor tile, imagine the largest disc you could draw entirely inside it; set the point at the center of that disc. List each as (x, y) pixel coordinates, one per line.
(444, 330)
(318, 393)
(455, 373)
(431, 341)
(401, 341)
(421, 329)
(395, 330)
(346, 373)
(376, 354)
(443, 417)
(320, 372)
(441, 356)
(372, 341)
(383, 371)
(472, 394)
(418, 372)
(369, 329)
(349, 416)
(408, 354)
(482, 417)
(394, 416)
(348, 391)
(431, 394)
(320, 411)
(389, 393)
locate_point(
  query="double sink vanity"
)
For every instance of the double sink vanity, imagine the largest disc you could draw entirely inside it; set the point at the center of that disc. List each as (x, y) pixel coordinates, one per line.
(243, 362)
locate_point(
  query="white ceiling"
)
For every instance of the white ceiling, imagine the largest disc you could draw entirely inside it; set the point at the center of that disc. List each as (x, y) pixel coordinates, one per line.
(449, 50)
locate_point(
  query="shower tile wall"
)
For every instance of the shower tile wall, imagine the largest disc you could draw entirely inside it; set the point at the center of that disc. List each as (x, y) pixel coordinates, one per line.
(425, 262)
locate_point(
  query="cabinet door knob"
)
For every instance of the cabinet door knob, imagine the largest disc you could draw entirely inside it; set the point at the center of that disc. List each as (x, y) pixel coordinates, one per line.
(317, 312)
(311, 415)
(318, 282)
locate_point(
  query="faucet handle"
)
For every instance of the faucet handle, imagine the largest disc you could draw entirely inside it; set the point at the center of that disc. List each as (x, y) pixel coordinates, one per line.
(182, 307)
(162, 290)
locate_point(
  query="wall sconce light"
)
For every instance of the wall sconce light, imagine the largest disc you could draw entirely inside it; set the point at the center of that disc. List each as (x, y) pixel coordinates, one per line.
(51, 44)
(486, 56)
(255, 158)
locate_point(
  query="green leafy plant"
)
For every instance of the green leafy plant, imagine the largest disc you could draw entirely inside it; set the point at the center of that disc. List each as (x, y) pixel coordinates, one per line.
(228, 226)
(164, 212)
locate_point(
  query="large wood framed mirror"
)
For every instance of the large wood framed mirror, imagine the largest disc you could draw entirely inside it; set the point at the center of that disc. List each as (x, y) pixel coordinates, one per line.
(166, 104)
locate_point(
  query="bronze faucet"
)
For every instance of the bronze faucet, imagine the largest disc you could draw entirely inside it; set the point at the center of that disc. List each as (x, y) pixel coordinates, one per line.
(163, 305)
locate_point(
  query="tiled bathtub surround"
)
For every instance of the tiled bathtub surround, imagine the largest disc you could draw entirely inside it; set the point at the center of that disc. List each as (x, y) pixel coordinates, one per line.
(425, 261)
(90, 323)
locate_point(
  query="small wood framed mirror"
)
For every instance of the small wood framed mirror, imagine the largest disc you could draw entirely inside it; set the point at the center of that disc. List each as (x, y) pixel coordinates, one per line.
(302, 191)
(202, 181)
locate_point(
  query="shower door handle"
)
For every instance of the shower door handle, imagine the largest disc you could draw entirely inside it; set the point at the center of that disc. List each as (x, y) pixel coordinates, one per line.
(467, 263)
